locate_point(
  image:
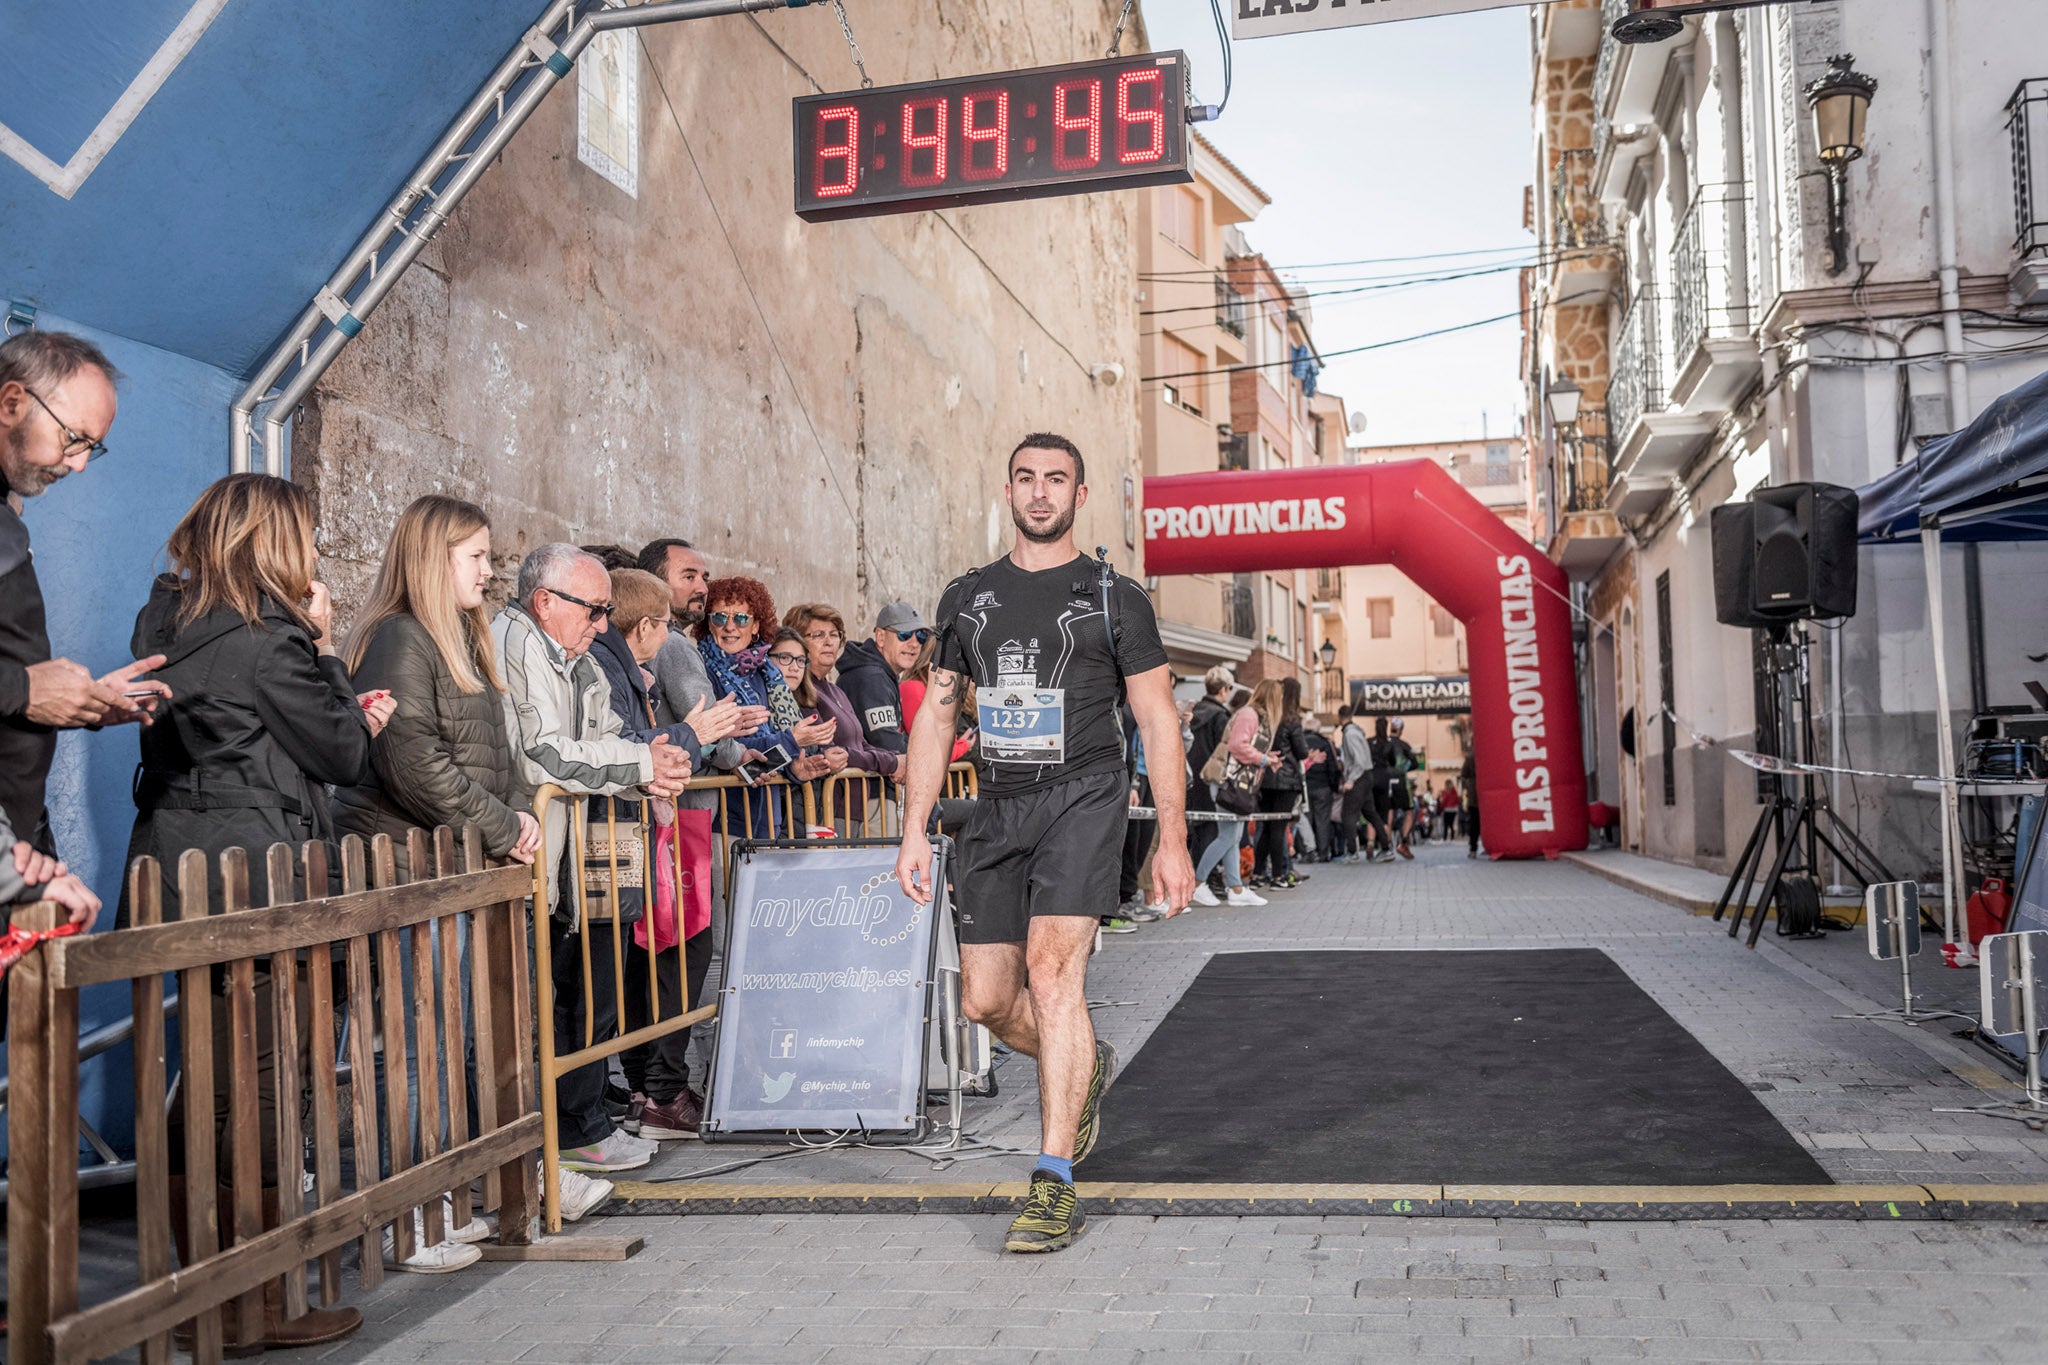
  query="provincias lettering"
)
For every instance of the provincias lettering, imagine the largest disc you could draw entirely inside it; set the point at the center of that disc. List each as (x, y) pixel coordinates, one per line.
(1276, 516)
(1525, 695)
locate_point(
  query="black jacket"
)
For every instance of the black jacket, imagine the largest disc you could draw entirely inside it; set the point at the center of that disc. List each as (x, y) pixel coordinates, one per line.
(261, 719)
(634, 704)
(25, 747)
(1329, 771)
(871, 686)
(1289, 742)
(1206, 726)
(444, 758)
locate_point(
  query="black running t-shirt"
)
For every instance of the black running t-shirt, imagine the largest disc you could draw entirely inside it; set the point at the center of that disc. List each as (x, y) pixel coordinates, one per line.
(1046, 681)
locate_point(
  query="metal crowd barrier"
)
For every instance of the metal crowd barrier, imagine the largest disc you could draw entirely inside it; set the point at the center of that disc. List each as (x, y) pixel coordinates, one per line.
(249, 1236)
(850, 804)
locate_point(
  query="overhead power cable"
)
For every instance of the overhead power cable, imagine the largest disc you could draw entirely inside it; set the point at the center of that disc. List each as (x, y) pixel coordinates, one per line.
(1364, 260)
(1402, 282)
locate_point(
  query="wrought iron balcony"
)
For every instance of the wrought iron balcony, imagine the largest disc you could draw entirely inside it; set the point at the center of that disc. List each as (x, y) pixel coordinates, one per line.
(1637, 383)
(1575, 218)
(1605, 68)
(1329, 585)
(2027, 120)
(1239, 618)
(1710, 270)
(1229, 309)
(1585, 460)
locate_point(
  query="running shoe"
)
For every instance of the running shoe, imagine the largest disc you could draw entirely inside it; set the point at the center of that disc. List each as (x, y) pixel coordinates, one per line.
(676, 1119)
(1244, 895)
(1099, 1081)
(580, 1194)
(1204, 896)
(1150, 914)
(615, 1152)
(1117, 924)
(1052, 1216)
(438, 1258)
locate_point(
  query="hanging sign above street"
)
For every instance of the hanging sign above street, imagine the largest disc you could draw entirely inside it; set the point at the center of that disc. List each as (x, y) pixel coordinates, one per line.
(1113, 124)
(1436, 695)
(1270, 18)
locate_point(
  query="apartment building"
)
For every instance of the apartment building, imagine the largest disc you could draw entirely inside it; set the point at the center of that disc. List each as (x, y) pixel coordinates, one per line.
(1230, 365)
(1718, 308)
(1388, 634)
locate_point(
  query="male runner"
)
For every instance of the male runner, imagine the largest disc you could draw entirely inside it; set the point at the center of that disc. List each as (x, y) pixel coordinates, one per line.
(1038, 860)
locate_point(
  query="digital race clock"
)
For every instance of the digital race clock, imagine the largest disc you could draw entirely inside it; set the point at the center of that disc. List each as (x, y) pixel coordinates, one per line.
(1102, 125)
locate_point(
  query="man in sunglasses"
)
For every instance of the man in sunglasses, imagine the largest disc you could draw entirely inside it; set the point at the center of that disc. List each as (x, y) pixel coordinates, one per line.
(56, 405)
(567, 733)
(871, 673)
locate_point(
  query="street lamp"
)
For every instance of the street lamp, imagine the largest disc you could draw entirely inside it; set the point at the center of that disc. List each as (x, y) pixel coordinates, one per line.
(1333, 676)
(1328, 653)
(1563, 400)
(1840, 102)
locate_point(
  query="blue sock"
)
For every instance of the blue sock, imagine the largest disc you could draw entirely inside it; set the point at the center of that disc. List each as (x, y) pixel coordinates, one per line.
(1061, 1166)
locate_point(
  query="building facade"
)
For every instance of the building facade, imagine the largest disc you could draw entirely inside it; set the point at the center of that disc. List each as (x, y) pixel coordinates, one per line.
(1229, 366)
(624, 333)
(1388, 628)
(1731, 317)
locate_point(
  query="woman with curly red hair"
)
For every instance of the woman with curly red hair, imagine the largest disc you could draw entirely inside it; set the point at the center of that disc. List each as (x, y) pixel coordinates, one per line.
(734, 639)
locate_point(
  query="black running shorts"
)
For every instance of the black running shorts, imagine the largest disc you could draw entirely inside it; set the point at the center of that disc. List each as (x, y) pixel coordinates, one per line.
(1054, 851)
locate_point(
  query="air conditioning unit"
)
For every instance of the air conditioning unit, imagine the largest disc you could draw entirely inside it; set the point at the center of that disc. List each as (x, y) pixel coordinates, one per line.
(1652, 21)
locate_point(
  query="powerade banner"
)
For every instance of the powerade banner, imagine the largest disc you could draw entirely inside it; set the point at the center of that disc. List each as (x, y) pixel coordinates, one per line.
(821, 1011)
(1423, 696)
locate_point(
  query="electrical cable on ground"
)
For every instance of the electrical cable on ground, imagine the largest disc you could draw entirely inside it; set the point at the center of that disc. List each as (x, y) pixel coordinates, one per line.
(831, 471)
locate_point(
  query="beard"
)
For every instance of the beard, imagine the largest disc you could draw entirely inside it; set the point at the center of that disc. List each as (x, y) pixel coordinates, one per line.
(691, 615)
(1055, 530)
(25, 479)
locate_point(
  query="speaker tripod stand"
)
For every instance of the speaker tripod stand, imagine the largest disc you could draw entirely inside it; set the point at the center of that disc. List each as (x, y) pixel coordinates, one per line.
(1797, 820)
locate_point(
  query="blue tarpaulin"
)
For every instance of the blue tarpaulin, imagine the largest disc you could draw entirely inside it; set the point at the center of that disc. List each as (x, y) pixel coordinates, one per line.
(1988, 481)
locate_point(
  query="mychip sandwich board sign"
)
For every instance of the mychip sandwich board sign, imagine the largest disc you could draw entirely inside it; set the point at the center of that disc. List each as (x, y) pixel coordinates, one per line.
(825, 994)
(1270, 18)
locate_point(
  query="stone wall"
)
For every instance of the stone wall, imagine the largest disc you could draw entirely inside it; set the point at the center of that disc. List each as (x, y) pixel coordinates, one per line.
(826, 406)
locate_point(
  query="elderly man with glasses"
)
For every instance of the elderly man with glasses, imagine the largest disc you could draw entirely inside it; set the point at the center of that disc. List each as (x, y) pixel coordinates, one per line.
(56, 406)
(560, 715)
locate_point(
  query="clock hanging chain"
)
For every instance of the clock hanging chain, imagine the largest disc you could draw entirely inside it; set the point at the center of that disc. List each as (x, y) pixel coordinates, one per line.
(866, 81)
(1116, 39)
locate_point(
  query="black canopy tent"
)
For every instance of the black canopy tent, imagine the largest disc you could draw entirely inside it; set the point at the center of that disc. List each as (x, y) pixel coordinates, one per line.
(1987, 482)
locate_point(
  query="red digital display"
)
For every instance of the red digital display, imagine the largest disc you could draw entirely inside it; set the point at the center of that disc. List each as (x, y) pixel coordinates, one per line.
(1113, 124)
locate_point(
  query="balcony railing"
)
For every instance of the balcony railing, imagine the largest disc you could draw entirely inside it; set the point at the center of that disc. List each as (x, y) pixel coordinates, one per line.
(1637, 380)
(1575, 218)
(1329, 585)
(1229, 309)
(1585, 459)
(1710, 270)
(1604, 69)
(1238, 617)
(2027, 119)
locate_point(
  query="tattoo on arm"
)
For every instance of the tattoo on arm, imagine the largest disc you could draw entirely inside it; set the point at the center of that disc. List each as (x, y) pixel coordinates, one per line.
(946, 686)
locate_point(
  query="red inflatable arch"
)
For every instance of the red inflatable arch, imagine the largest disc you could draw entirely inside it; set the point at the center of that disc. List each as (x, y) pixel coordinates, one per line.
(1416, 517)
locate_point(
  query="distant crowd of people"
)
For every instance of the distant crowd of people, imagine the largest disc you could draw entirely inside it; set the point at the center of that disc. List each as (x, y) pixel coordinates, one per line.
(1347, 797)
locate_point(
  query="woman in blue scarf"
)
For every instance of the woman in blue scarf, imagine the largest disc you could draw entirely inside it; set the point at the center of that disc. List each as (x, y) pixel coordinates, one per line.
(730, 639)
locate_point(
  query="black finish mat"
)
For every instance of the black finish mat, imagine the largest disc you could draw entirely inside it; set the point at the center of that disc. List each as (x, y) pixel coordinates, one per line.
(1545, 1067)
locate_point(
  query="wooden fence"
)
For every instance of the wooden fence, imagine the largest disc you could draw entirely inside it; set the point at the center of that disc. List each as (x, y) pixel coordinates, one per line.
(331, 969)
(324, 976)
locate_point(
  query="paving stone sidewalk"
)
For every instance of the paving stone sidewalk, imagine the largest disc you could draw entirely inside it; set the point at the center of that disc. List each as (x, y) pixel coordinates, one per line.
(766, 1288)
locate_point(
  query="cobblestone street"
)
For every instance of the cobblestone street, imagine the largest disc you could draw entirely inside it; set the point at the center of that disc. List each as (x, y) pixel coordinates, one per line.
(938, 1287)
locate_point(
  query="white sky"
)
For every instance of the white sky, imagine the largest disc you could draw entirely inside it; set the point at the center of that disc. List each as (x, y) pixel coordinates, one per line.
(1378, 141)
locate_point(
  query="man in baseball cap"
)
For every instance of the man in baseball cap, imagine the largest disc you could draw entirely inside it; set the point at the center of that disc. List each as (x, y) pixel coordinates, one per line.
(870, 671)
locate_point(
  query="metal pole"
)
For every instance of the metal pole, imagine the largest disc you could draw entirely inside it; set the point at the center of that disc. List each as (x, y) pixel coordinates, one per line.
(1944, 752)
(548, 62)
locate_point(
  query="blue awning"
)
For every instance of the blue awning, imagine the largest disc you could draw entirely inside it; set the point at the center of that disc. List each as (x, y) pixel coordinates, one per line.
(1988, 481)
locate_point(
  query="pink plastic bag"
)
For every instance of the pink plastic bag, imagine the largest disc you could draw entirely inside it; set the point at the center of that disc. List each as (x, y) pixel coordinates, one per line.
(693, 829)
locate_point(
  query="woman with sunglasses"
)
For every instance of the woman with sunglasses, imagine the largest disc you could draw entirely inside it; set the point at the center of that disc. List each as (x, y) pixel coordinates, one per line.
(729, 639)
